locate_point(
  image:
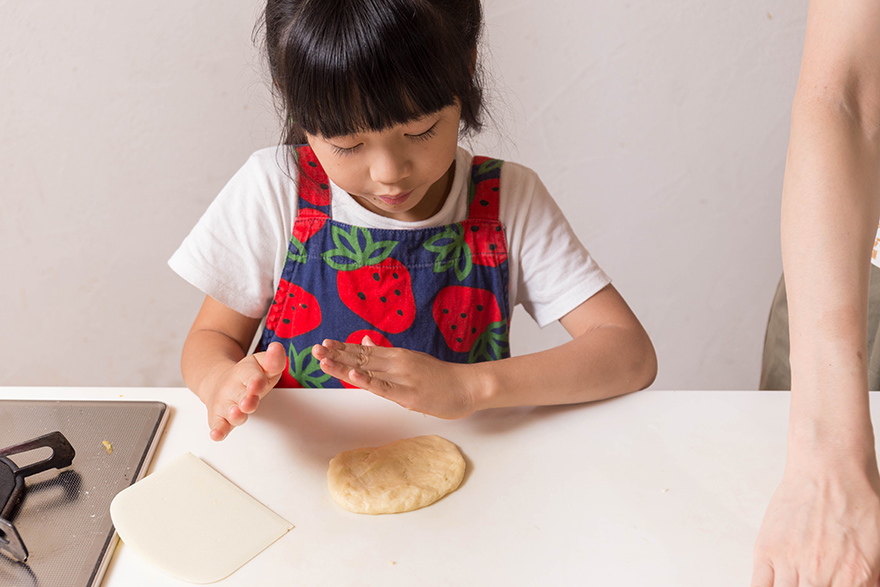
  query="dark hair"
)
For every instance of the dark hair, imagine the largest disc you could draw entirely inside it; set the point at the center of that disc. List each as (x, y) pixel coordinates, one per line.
(345, 66)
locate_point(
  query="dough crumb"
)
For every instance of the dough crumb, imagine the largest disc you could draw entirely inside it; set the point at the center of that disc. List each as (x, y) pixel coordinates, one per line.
(108, 447)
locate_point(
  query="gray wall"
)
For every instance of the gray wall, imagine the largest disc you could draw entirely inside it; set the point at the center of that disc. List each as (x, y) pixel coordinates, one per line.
(660, 127)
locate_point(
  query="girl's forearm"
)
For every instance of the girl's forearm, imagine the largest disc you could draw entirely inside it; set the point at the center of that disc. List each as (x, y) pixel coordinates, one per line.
(605, 362)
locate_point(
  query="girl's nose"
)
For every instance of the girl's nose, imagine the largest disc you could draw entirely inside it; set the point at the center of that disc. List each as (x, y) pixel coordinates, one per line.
(389, 168)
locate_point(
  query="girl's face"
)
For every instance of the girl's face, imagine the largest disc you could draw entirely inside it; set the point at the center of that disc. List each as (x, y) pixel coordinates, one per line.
(403, 172)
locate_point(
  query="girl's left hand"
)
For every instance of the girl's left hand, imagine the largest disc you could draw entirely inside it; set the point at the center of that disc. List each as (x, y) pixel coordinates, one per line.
(416, 381)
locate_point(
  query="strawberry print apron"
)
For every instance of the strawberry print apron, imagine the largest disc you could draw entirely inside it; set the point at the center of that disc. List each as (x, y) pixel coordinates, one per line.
(442, 290)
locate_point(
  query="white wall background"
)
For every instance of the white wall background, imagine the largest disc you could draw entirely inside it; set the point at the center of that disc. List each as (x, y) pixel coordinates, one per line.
(660, 127)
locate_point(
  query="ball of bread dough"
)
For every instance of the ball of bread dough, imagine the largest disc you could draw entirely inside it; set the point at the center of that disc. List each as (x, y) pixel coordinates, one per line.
(399, 477)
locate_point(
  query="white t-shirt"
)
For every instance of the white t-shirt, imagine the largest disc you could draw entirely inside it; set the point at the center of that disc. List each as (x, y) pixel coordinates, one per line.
(874, 253)
(236, 252)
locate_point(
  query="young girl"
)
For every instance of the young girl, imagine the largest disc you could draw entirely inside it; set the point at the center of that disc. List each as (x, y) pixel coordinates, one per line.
(380, 253)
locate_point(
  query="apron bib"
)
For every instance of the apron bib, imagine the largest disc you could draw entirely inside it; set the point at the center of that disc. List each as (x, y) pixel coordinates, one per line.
(442, 290)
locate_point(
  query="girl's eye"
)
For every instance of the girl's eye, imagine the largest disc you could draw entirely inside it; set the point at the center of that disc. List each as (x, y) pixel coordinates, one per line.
(343, 151)
(425, 135)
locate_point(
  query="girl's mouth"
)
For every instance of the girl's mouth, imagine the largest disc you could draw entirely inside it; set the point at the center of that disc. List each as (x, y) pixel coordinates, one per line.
(395, 200)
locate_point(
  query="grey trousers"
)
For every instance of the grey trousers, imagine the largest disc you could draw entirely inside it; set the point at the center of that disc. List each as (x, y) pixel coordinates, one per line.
(775, 368)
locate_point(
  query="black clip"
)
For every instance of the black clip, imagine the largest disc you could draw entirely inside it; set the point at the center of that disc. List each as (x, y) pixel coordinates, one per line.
(12, 483)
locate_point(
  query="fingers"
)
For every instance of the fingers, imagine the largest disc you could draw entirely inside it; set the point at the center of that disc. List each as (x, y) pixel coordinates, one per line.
(266, 370)
(373, 384)
(363, 357)
(357, 365)
(220, 428)
(342, 371)
(245, 384)
(273, 360)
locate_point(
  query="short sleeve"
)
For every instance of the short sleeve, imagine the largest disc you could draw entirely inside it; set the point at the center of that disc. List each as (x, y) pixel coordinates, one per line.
(552, 272)
(235, 252)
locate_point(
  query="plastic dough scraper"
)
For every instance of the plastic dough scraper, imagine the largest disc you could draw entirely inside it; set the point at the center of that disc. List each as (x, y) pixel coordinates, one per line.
(192, 523)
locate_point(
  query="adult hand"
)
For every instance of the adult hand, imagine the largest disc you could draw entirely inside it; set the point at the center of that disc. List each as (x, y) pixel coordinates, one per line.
(238, 391)
(415, 380)
(822, 526)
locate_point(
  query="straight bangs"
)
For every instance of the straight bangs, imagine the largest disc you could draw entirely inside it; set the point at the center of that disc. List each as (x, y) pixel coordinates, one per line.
(350, 66)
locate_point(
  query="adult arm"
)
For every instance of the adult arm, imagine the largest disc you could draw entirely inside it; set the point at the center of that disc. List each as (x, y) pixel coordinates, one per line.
(822, 526)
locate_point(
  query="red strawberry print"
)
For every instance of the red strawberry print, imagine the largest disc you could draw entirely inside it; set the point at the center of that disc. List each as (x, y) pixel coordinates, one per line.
(287, 380)
(381, 295)
(306, 225)
(484, 201)
(486, 241)
(372, 284)
(357, 337)
(470, 321)
(294, 311)
(314, 185)
(308, 222)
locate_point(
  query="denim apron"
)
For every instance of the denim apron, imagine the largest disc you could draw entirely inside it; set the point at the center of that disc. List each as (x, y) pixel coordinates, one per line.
(442, 290)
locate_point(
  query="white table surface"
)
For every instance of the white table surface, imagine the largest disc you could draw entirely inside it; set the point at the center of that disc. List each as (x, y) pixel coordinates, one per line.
(658, 488)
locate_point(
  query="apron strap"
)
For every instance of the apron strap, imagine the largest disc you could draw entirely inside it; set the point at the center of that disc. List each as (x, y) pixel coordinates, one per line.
(483, 195)
(314, 185)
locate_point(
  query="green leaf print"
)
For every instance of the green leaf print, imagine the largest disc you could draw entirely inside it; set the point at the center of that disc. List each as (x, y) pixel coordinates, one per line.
(300, 256)
(348, 247)
(306, 374)
(492, 344)
(489, 165)
(485, 167)
(452, 251)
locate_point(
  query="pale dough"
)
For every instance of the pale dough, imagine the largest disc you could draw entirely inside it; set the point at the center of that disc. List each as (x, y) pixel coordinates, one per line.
(398, 477)
(192, 523)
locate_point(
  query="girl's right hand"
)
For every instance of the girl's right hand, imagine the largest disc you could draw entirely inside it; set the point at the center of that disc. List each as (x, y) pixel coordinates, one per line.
(238, 391)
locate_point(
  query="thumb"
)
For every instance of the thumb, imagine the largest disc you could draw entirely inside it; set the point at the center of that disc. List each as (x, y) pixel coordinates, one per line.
(367, 341)
(273, 360)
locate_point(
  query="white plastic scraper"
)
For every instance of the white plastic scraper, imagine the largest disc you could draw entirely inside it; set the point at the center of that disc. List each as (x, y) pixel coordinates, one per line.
(190, 522)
